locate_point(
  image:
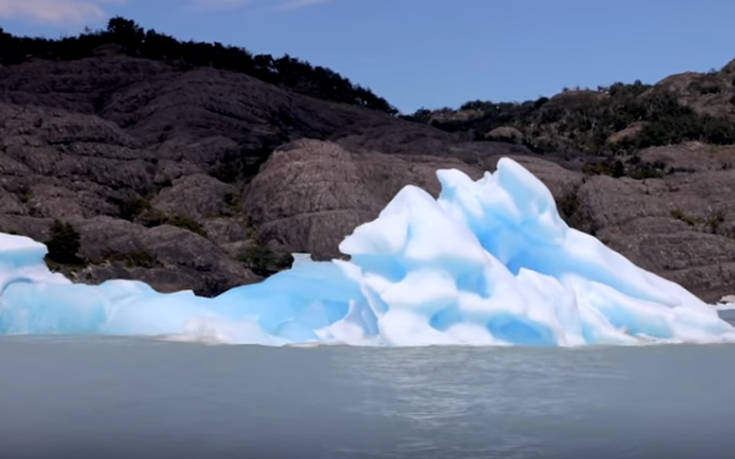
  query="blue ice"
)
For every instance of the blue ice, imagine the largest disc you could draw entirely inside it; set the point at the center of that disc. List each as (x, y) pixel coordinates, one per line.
(489, 262)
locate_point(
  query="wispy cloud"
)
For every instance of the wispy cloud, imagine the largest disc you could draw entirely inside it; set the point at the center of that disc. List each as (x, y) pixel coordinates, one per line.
(296, 4)
(54, 11)
(217, 4)
(279, 5)
(76, 12)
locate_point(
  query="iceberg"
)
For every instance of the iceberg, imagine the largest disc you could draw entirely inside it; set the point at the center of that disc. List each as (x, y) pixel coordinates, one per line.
(489, 262)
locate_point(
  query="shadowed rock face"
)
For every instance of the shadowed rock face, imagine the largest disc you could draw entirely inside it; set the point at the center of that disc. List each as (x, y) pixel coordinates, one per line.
(192, 179)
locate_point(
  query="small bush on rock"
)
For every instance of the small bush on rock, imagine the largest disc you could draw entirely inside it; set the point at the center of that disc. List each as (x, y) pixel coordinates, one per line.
(188, 223)
(262, 260)
(63, 244)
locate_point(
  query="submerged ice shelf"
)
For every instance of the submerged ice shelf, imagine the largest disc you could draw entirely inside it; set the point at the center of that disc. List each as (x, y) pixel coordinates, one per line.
(489, 262)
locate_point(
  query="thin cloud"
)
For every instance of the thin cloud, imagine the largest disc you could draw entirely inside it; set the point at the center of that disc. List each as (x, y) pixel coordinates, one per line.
(278, 5)
(54, 11)
(217, 4)
(296, 4)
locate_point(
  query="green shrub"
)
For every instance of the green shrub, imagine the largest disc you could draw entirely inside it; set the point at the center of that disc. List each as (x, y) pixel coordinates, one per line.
(688, 219)
(618, 169)
(262, 260)
(712, 223)
(151, 218)
(188, 223)
(644, 169)
(598, 168)
(24, 194)
(714, 220)
(573, 214)
(582, 121)
(130, 209)
(63, 244)
(233, 203)
(135, 258)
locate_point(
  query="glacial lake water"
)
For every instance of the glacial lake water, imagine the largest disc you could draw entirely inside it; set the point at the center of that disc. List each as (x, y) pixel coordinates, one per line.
(102, 397)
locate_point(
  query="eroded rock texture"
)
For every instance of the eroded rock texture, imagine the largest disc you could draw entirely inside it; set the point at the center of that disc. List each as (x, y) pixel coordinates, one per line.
(206, 179)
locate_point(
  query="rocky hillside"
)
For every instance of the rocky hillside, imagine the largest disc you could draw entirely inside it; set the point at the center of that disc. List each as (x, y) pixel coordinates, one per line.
(202, 177)
(126, 37)
(621, 118)
(151, 165)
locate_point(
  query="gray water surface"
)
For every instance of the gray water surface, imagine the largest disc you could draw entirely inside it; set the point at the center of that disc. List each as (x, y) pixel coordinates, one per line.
(127, 397)
(728, 315)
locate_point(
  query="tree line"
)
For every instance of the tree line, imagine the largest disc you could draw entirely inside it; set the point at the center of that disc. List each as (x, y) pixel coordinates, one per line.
(584, 120)
(134, 41)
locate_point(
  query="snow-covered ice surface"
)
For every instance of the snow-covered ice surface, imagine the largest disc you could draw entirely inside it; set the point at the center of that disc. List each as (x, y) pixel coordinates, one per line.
(489, 262)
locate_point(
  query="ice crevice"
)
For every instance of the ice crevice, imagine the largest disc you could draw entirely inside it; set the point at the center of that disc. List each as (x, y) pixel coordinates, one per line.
(489, 262)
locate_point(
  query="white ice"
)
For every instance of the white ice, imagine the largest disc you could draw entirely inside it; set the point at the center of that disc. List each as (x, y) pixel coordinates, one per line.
(489, 262)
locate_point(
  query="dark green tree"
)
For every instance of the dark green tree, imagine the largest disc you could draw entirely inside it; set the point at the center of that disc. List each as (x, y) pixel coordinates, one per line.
(125, 32)
(63, 244)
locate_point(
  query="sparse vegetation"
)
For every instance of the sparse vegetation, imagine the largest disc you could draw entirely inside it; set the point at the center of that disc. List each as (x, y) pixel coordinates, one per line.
(24, 194)
(688, 219)
(141, 211)
(240, 167)
(136, 258)
(714, 221)
(263, 261)
(63, 244)
(598, 168)
(151, 217)
(130, 209)
(233, 204)
(633, 168)
(134, 41)
(571, 211)
(585, 120)
(643, 170)
(186, 222)
(568, 204)
(711, 223)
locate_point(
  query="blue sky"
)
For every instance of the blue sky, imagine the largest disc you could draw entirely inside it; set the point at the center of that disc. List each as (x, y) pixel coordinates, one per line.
(433, 53)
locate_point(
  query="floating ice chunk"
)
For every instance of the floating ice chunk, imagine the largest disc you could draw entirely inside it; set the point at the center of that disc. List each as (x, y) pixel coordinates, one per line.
(488, 263)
